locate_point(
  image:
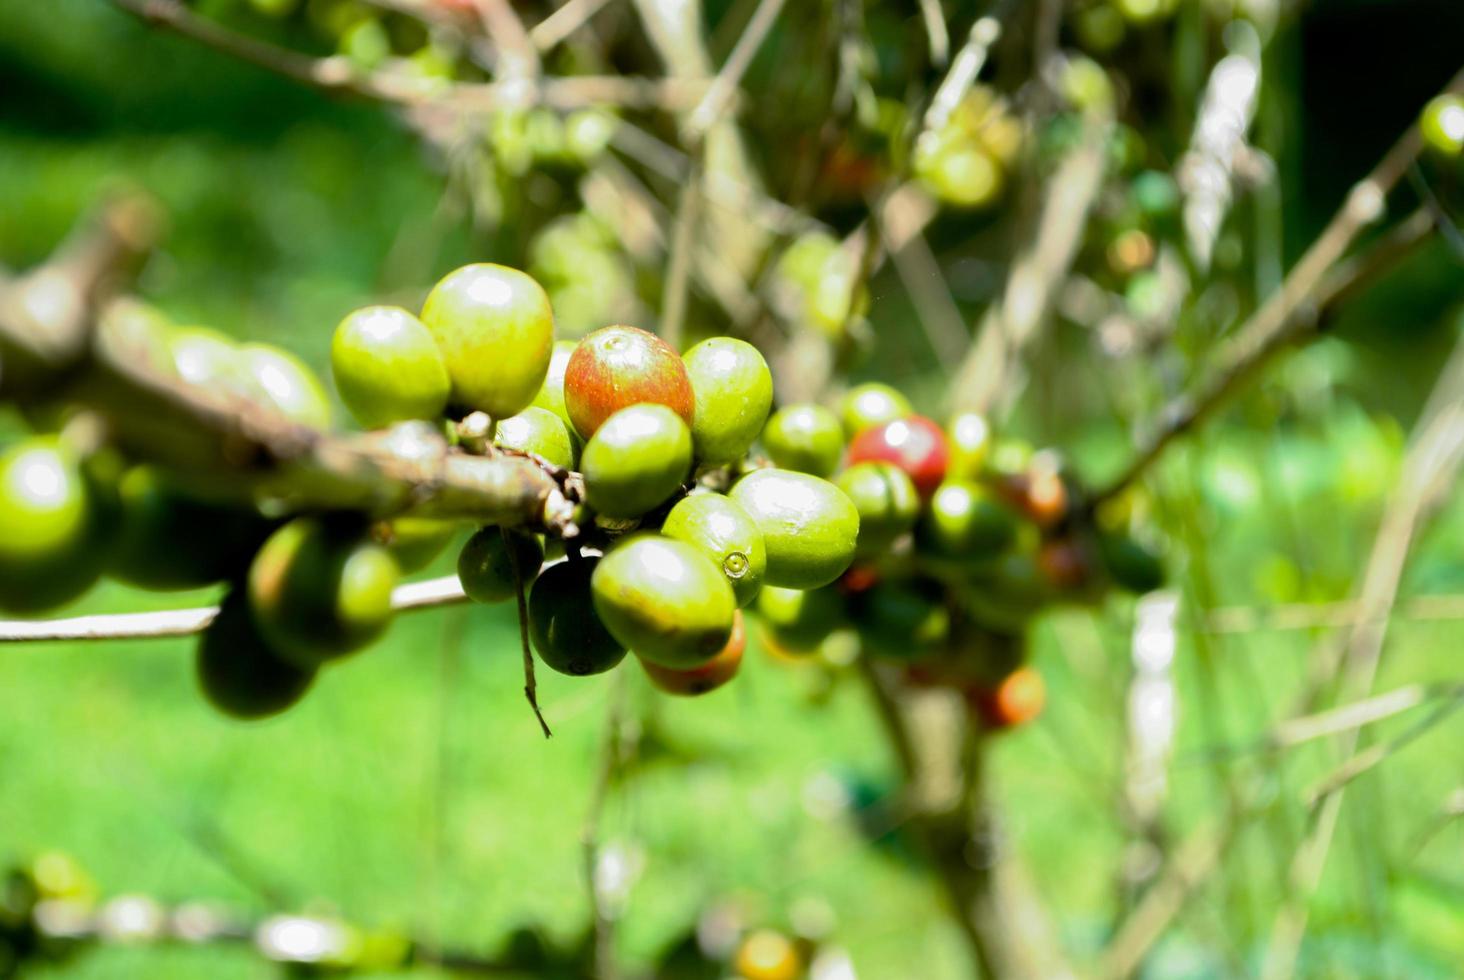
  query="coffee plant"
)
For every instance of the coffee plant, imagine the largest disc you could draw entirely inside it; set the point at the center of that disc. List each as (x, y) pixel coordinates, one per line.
(660, 427)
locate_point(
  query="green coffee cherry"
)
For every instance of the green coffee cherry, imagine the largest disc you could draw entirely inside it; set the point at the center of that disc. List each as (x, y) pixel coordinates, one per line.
(636, 460)
(1132, 566)
(495, 329)
(208, 359)
(965, 522)
(804, 438)
(887, 502)
(493, 563)
(238, 671)
(169, 539)
(1442, 124)
(387, 367)
(868, 405)
(551, 392)
(541, 432)
(53, 540)
(415, 541)
(288, 384)
(733, 391)
(665, 600)
(320, 589)
(969, 438)
(809, 526)
(728, 536)
(798, 621)
(563, 623)
(904, 620)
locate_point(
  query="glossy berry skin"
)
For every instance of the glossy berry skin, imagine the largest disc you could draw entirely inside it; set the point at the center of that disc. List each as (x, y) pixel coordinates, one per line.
(541, 432)
(239, 673)
(1442, 124)
(415, 541)
(566, 630)
(915, 444)
(732, 391)
(903, 620)
(810, 527)
(1016, 699)
(636, 460)
(320, 589)
(886, 500)
(804, 438)
(551, 392)
(493, 562)
(288, 384)
(965, 523)
(729, 537)
(798, 620)
(495, 329)
(868, 405)
(387, 367)
(169, 539)
(53, 540)
(768, 955)
(1132, 566)
(969, 438)
(710, 675)
(665, 600)
(207, 358)
(616, 367)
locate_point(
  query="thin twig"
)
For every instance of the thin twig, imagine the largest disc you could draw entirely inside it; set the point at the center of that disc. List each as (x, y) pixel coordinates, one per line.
(531, 686)
(678, 265)
(714, 102)
(1273, 326)
(413, 596)
(550, 31)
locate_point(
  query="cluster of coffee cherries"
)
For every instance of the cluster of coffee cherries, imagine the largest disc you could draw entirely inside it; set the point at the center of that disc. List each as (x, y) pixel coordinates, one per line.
(965, 163)
(679, 533)
(962, 540)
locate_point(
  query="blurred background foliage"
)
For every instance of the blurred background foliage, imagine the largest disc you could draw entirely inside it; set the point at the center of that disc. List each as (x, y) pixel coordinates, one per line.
(413, 790)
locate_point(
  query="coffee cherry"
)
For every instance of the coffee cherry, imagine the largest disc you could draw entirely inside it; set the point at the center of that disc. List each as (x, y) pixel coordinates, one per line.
(1010, 596)
(768, 955)
(1132, 566)
(961, 174)
(637, 459)
(886, 500)
(969, 438)
(710, 675)
(804, 438)
(387, 367)
(53, 540)
(538, 431)
(1066, 564)
(915, 444)
(868, 405)
(809, 526)
(551, 392)
(239, 673)
(320, 589)
(169, 539)
(797, 620)
(493, 562)
(415, 541)
(288, 384)
(208, 359)
(964, 522)
(566, 630)
(665, 600)
(1039, 493)
(903, 620)
(728, 536)
(1015, 700)
(616, 367)
(1442, 124)
(495, 329)
(733, 390)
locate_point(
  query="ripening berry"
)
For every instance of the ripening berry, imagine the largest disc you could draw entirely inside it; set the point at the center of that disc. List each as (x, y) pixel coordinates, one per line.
(867, 405)
(728, 535)
(636, 460)
(665, 600)
(710, 675)
(914, 444)
(567, 631)
(809, 526)
(804, 438)
(616, 367)
(387, 367)
(733, 390)
(53, 529)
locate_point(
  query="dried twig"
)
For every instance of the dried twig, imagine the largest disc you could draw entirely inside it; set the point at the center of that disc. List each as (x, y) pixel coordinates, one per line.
(1310, 288)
